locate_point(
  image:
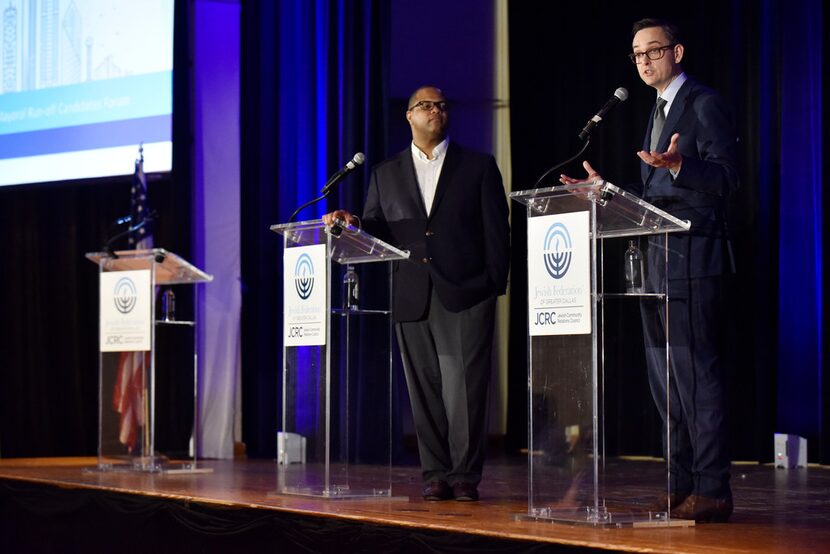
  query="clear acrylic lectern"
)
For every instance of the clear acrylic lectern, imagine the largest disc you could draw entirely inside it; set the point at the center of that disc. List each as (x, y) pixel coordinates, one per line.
(566, 335)
(336, 432)
(147, 379)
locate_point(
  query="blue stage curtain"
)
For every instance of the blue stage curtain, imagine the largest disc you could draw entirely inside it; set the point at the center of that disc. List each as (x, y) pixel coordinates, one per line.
(313, 96)
(799, 243)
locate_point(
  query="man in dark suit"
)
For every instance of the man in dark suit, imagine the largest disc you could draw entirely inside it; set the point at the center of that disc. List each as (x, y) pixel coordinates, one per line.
(447, 206)
(688, 169)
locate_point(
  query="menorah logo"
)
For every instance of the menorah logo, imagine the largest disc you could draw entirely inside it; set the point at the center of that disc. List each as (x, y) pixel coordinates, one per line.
(557, 250)
(304, 276)
(124, 295)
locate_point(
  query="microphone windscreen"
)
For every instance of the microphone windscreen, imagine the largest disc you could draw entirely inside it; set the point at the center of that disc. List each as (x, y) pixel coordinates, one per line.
(622, 94)
(359, 158)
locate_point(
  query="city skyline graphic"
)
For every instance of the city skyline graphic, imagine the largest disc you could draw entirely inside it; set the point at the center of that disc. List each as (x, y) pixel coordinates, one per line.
(51, 43)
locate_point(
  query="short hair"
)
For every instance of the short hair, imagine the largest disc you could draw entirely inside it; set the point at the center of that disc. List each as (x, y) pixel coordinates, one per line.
(671, 30)
(419, 89)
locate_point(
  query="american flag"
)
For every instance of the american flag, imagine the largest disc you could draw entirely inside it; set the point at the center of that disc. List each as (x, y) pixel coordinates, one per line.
(142, 237)
(128, 395)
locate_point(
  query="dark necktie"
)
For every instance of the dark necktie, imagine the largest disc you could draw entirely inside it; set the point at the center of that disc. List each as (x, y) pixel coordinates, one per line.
(659, 121)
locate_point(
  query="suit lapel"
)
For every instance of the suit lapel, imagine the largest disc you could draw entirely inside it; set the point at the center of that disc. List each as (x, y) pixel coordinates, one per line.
(677, 109)
(646, 170)
(451, 163)
(647, 138)
(409, 181)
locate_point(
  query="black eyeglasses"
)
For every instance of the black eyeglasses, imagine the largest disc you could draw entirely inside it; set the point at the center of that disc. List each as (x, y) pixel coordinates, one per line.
(427, 106)
(653, 54)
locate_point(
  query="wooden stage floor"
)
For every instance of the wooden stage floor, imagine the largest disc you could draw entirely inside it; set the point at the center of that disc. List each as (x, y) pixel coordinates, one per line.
(776, 510)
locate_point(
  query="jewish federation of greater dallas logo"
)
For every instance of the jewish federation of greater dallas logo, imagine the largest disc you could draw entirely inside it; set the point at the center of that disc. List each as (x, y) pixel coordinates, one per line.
(124, 295)
(304, 276)
(557, 250)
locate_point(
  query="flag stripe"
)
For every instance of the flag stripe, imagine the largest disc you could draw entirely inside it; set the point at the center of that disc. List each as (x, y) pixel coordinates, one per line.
(128, 392)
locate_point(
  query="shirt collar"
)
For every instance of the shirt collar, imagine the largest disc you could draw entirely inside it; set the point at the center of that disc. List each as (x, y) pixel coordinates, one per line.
(671, 90)
(437, 152)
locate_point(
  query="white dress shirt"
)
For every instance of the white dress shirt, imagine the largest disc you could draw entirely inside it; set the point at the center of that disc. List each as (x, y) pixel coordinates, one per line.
(671, 91)
(429, 171)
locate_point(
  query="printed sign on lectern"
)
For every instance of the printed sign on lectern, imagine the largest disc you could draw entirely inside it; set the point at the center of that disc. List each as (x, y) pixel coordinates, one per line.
(125, 311)
(304, 293)
(559, 274)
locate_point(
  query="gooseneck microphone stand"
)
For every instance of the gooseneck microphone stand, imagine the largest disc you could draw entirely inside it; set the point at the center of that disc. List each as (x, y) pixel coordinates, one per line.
(563, 164)
(309, 203)
(107, 248)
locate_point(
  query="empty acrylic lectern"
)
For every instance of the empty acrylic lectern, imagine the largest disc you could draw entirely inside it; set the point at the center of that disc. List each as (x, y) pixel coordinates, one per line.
(147, 407)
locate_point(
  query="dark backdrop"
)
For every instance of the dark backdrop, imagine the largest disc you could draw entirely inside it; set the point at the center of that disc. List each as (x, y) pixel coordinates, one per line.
(565, 62)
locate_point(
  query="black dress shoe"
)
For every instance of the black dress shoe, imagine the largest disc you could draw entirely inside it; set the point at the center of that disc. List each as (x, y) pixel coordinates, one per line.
(437, 489)
(704, 509)
(661, 503)
(465, 492)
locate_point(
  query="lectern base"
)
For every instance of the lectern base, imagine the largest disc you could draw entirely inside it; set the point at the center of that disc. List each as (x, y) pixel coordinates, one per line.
(589, 516)
(144, 466)
(335, 481)
(339, 493)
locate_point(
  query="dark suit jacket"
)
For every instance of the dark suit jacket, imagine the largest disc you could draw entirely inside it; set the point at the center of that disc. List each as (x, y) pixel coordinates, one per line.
(707, 177)
(462, 247)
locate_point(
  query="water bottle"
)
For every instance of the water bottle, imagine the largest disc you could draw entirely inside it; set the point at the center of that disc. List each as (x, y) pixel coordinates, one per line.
(168, 306)
(633, 268)
(351, 290)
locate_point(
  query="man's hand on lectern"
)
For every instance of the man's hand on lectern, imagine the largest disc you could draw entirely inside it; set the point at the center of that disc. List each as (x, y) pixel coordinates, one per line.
(592, 183)
(342, 215)
(591, 179)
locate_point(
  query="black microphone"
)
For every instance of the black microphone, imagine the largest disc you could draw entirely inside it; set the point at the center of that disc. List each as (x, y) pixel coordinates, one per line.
(333, 180)
(337, 177)
(620, 95)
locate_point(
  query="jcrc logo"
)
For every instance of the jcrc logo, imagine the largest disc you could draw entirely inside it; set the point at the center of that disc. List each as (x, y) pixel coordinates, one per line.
(304, 276)
(557, 250)
(124, 295)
